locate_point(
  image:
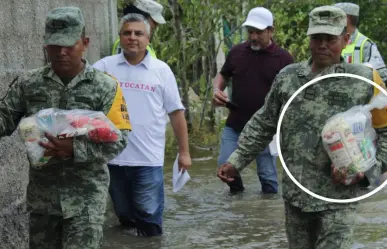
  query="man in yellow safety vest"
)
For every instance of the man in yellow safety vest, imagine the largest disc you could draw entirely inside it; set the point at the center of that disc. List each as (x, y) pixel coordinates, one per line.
(360, 49)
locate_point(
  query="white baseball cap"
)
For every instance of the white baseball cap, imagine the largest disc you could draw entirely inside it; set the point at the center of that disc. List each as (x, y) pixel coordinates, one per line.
(259, 18)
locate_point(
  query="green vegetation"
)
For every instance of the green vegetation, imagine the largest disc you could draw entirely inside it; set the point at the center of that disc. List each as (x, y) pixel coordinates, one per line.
(188, 42)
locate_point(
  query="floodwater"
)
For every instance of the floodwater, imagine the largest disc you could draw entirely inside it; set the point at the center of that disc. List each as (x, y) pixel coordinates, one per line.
(204, 215)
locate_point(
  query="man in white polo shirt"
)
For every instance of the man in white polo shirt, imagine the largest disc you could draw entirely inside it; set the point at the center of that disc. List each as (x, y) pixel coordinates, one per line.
(150, 89)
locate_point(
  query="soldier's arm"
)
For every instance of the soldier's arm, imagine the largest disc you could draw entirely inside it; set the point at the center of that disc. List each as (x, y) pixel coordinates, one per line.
(260, 129)
(383, 73)
(114, 107)
(12, 108)
(379, 121)
(372, 55)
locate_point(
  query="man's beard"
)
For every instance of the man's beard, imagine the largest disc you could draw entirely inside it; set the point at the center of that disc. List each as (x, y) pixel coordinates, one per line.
(254, 46)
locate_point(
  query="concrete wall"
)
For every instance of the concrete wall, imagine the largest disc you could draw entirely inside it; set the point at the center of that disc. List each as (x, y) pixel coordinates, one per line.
(21, 32)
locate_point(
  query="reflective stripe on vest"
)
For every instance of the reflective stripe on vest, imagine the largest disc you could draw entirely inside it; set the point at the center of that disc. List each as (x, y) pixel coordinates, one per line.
(353, 53)
(116, 47)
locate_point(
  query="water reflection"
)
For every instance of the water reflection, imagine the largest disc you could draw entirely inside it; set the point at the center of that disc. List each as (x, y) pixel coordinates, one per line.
(204, 215)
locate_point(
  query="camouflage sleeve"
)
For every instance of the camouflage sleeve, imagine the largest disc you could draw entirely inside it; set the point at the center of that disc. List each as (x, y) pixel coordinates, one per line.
(383, 73)
(85, 150)
(372, 55)
(12, 108)
(373, 174)
(381, 153)
(379, 122)
(260, 129)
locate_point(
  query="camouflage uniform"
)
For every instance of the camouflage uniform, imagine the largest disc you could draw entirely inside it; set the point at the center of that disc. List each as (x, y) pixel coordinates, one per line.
(310, 222)
(67, 198)
(371, 53)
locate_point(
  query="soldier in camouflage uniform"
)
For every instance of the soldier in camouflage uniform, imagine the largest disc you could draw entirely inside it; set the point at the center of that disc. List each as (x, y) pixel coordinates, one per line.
(310, 222)
(67, 197)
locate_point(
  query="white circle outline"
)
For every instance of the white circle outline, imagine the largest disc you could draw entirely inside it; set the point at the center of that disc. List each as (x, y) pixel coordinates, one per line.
(314, 81)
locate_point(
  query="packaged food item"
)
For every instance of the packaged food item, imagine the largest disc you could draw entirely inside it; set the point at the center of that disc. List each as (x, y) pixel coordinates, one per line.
(350, 139)
(95, 126)
(31, 133)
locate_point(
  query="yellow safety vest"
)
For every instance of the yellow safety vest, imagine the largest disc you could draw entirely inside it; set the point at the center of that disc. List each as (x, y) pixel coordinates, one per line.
(353, 53)
(379, 117)
(117, 49)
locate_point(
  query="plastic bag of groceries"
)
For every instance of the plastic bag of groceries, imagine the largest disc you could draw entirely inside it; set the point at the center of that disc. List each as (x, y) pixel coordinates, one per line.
(64, 124)
(350, 139)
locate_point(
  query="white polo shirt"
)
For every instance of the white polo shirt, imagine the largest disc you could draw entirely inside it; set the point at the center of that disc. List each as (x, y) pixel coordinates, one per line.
(151, 92)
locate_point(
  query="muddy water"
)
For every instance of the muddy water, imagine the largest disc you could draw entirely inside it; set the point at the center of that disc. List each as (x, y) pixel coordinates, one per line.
(204, 215)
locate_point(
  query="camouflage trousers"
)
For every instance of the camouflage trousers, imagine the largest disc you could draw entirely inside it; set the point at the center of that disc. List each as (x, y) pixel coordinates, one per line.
(330, 229)
(54, 232)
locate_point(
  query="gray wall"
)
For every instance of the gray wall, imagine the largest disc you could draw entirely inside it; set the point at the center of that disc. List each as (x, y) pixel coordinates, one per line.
(21, 32)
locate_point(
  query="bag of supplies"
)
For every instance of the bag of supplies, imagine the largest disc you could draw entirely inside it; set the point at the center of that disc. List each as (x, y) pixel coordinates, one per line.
(350, 139)
(95, 126)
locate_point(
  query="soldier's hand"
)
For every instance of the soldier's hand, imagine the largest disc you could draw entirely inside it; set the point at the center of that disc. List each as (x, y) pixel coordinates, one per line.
(59, 148)
(219, 98)
(339, 176)
(227, 172)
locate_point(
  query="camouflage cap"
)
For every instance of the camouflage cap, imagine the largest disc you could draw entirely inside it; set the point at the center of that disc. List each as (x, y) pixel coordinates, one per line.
(154, 9)
(349, 8)
(327, 20)
(64, 26)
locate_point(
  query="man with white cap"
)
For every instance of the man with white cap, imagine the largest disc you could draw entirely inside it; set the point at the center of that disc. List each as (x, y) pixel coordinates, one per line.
(152, 11)
(252, 66)
(360, 49)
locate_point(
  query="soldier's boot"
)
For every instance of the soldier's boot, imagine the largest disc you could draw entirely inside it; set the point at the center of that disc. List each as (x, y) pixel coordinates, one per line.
(127, 224)
(146, 229)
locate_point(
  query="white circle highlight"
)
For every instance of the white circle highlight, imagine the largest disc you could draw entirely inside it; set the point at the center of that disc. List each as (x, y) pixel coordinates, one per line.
(314, 81)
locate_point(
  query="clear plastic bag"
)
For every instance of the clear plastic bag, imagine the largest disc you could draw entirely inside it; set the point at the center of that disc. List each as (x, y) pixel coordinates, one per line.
(95, 126)
(350, 139)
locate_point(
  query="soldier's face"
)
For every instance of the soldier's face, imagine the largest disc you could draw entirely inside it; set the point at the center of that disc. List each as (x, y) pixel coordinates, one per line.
(326, 49)
(133, 38)
(66, 61)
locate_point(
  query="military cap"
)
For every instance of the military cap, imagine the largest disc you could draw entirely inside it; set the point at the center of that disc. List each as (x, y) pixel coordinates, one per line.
(349, 8)
(327, 20)
(64, 26)
(154, 9)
